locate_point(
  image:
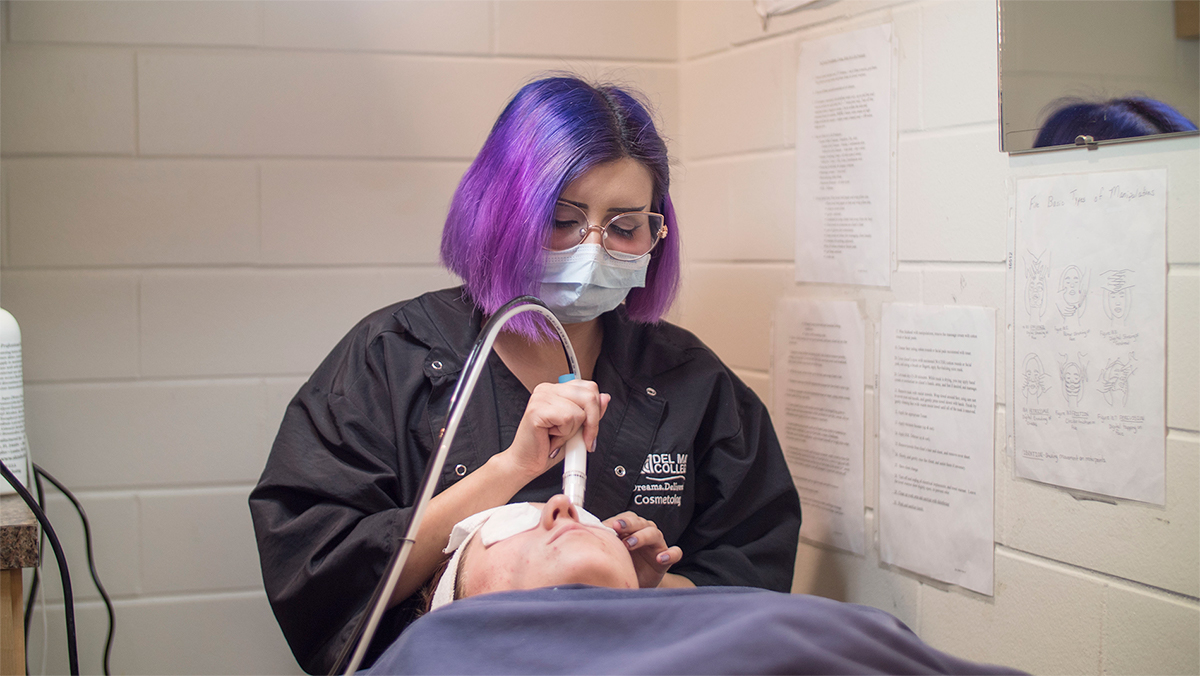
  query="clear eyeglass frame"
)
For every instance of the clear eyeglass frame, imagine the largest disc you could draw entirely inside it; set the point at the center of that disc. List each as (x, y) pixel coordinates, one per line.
(648, 229)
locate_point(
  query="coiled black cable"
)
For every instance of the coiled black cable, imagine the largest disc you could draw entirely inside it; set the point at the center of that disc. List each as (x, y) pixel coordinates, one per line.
(87, 538)
(68, 598)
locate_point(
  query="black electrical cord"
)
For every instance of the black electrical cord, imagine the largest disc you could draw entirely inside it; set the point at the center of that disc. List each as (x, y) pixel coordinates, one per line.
(87, 538)
(33, 585)
(68, 598)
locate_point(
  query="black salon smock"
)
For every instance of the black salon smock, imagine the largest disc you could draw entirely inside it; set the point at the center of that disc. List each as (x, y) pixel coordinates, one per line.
(683, 442)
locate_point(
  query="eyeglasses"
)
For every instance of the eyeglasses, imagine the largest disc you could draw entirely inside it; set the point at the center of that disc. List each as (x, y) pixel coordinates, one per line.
(625, 237)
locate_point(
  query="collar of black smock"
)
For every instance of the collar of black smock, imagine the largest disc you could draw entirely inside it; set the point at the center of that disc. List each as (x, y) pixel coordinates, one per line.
(640, 351)
(446, 319)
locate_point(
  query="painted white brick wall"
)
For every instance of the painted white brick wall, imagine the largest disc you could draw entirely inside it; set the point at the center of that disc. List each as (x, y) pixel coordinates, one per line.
(94, 212)
(191, 22)
(733, 207)
(945, 212)
(67, 100)
(417, 27)
(200, 198)
(380, 212)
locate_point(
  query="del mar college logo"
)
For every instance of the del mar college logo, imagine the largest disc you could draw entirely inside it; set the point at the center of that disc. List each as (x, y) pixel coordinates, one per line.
(662, 480)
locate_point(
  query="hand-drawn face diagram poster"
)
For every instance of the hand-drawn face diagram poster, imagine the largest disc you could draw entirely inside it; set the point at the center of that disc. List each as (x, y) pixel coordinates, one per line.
(937, 407)
(844, 158)
(1088, 270)
(817, 397)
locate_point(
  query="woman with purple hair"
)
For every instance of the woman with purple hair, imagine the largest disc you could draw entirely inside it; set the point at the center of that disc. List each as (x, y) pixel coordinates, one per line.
(567, 200)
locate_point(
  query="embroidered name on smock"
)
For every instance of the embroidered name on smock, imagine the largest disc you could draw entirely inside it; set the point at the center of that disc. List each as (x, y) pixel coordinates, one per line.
(662, 480)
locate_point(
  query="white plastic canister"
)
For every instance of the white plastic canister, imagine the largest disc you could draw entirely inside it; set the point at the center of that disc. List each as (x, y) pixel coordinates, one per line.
(14, 447)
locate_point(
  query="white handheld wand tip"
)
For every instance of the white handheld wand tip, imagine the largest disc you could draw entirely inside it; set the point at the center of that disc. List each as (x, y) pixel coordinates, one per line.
(575, 470)
(574, 463)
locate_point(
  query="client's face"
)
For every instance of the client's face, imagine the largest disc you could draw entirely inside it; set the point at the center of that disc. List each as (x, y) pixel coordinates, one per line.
(559, 550)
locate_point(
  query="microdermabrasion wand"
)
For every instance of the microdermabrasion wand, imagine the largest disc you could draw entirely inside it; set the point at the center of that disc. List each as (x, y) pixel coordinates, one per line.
(575, 462)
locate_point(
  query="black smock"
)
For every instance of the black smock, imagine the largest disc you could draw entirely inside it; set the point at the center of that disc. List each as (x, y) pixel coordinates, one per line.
(683, 442)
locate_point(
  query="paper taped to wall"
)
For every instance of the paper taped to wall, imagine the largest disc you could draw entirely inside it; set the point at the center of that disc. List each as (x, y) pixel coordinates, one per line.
(937, 401)
(1088, 270)
(817, 399)
(844, 137)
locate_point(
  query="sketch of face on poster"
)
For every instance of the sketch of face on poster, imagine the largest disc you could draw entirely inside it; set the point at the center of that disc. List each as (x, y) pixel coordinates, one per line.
(1036, 380)
(1114, 380)
(1037, 283)
(1073, 375)
(1072, 290)
(1117, 294)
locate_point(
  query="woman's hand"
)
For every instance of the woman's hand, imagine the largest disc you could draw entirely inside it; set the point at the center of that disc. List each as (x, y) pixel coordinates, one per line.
(651, 555)
(554, 414)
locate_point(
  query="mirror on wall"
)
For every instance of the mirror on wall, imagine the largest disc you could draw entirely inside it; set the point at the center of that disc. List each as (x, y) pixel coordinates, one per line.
(1057, 53)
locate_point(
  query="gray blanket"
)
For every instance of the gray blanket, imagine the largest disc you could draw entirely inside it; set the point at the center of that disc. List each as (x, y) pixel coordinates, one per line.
(578, 629)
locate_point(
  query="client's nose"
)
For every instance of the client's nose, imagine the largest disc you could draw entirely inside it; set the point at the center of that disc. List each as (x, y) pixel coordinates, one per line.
(558, 507)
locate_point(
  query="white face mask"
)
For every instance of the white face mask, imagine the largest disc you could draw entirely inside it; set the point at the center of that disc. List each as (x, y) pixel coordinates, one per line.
(583, 283)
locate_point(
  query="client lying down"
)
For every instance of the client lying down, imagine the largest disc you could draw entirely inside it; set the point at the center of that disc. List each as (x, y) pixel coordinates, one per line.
(550, 589)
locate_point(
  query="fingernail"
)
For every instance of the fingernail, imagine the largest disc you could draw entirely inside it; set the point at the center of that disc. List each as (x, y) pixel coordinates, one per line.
(664, 557)
(622, 524)
(631, 541)
(594, 444)
(554, 453)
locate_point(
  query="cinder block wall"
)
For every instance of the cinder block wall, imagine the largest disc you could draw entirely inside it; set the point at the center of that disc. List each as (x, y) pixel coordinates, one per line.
(1082, 587)
(200, 198)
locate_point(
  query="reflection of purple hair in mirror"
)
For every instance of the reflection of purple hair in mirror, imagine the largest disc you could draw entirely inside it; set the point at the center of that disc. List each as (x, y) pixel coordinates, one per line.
(552, 132)
(1117, 118)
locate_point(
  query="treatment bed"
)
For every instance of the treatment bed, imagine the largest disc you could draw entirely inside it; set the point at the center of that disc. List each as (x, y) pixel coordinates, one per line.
(578, 629)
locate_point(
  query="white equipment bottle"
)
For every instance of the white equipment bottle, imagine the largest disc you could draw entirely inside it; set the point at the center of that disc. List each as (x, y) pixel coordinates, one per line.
(14, 447)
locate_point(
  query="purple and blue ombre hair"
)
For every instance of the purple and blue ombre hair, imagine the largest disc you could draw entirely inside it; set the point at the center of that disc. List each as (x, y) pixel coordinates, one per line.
(553, 131)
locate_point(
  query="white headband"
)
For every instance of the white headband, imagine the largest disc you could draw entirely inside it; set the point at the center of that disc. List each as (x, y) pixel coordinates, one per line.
(496, 524)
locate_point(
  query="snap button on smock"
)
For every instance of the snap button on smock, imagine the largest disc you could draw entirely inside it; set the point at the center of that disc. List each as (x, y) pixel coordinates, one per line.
(460, 470)
(619, 471)
(651, 391)
(437, 366)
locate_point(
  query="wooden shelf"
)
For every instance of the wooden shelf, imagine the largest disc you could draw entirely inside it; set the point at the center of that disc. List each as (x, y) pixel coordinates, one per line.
(18, 549)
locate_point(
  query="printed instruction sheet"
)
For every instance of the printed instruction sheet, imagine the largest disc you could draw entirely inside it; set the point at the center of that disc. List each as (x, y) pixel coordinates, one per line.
(817, 394)
(1088, 275)
(937, 372)
(844, 159)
